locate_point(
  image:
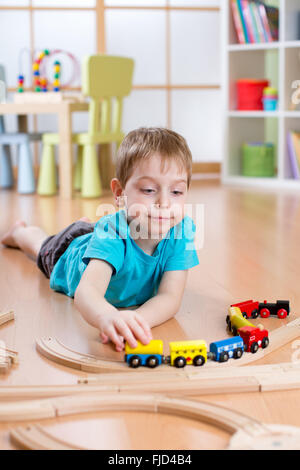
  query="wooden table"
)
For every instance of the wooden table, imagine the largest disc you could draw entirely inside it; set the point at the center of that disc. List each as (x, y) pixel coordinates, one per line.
(64, 109)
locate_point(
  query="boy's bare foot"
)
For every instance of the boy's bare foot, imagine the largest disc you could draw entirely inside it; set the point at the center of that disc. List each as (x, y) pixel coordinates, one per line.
(8, 238)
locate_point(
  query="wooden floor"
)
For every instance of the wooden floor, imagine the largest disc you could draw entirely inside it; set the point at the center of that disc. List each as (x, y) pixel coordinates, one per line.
(251, 250)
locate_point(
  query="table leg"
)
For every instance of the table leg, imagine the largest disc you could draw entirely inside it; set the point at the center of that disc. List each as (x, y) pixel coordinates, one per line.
(65, 152)
(22, 123)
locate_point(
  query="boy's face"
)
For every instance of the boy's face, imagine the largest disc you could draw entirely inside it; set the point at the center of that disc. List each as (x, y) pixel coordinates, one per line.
(154, 198)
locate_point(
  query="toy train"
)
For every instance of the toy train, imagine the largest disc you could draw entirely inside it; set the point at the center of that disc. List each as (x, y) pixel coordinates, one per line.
(183, 353)
(247, 338)
(253, 309)
(253, 336)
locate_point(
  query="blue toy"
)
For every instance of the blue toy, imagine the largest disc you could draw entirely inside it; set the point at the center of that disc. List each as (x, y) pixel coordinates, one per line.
(227, 348)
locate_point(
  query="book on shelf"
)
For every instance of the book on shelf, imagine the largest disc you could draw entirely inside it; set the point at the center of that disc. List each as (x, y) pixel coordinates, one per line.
(293, 142)
(254, 21)
(273, 20)
(237, 22)
(242, 18)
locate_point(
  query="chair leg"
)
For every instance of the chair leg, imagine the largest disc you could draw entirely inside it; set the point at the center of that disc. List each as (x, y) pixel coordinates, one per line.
(91, 184)
(6, 173)
(78, 169)
(26, 183)
(47, 175)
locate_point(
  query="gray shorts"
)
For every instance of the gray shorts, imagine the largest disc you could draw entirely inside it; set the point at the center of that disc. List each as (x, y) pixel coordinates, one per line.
(55, 245)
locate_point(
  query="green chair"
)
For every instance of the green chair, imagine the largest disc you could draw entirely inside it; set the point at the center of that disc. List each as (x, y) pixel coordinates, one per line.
(105, 80)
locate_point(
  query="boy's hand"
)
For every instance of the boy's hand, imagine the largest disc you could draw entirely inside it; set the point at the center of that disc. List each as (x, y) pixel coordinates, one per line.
(126, 324)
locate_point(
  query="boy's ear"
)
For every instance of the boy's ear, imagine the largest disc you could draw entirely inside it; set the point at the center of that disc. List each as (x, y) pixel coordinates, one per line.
(117, 190)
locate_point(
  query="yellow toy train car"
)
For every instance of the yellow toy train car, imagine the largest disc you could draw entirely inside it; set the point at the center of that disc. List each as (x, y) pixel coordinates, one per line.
(188, 352)
(150, 355)
(236, 320)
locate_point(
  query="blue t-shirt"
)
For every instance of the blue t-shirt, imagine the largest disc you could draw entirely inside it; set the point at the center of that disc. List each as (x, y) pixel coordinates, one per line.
(136, 275)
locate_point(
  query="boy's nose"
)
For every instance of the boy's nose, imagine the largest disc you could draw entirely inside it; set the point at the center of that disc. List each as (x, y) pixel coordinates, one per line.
(163, 203)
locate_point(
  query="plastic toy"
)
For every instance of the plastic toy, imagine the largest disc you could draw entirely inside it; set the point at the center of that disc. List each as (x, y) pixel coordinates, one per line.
(236, 320)
(251, 308)
(281, 309)
(221, 351)
(254, 338)
(150, 355)
(57, 72)
(40, 82)
(270, 98)
(20, 83)
(182, 353)
(188, 352)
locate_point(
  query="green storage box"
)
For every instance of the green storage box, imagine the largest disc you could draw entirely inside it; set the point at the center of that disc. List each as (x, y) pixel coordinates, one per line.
(258, 159)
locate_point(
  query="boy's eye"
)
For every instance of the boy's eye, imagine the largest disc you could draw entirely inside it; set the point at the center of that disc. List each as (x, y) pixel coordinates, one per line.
(147, 190)
(177, 193)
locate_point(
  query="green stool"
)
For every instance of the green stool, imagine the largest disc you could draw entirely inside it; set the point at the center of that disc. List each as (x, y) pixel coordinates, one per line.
(258, 159)
(106, 80)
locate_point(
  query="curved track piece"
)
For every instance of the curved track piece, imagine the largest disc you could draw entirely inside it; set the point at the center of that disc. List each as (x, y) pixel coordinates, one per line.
(6, 316)
(54, 350)
(247, 432)
(58, 352)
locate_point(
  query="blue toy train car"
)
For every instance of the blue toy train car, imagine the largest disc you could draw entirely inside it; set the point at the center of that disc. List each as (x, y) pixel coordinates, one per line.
(227, 348)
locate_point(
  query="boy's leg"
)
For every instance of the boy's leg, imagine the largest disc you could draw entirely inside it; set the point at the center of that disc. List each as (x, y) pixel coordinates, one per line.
(27, 238)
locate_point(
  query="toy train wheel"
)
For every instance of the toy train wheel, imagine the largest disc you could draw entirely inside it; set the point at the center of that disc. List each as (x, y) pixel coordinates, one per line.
(254, 348)
(265, 313)
(224, 357)
(265, 342)
(234, 331)
(180, 361)
(135, 361)
(227, 319)
(245, 315)
(152, 362)
(282, 313)
(198, 361)
(238, 353)
(254, 313)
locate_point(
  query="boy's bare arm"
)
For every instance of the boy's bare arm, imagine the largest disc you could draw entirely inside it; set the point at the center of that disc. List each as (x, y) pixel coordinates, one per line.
(167, 302)
(90, 301)
(89, 295)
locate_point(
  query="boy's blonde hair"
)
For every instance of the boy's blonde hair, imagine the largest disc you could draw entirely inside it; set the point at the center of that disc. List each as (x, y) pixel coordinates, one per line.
(142, 143)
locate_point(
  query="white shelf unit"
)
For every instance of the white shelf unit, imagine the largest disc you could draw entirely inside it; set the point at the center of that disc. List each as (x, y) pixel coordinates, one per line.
(280, 63)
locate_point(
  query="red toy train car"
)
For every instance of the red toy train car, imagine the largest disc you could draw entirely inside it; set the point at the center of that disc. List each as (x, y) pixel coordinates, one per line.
(250, 308)
(254, 338)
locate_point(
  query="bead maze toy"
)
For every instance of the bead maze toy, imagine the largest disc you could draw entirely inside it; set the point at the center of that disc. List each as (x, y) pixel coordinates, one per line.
(40, 81)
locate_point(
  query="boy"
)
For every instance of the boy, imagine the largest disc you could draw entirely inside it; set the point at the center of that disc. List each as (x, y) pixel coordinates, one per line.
(138, 256)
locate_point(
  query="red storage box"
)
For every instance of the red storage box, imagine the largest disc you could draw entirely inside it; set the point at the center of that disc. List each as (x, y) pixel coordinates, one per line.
(250, 94)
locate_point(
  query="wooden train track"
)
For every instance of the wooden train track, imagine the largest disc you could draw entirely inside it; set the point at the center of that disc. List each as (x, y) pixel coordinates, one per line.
(246, 432)
(7, 356)
(189, 382)
(6, 316)
(54, 350)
